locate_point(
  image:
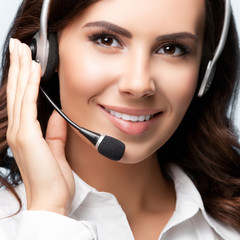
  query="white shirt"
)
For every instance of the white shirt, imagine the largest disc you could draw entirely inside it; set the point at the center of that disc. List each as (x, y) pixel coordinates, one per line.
(97, 215)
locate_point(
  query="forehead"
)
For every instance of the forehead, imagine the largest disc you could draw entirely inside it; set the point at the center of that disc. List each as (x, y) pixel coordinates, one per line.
(150, 15)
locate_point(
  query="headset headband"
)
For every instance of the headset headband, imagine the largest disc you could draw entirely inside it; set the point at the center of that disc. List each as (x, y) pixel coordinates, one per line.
(42, 37)
(42, 48)
(211, 68)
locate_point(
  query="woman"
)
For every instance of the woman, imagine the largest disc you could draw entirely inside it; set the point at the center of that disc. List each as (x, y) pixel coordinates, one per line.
(131, 70)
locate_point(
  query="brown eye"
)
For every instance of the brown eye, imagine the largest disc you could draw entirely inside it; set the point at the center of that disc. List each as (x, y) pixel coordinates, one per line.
(169, 50)
(173, 50)
(105, 40)
(108, 41)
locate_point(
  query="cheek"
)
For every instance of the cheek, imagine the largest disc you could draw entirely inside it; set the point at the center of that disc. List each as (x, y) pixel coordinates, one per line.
(183, 91)
(83, 74)
(84, 71)
(178, 86)
(80, 74)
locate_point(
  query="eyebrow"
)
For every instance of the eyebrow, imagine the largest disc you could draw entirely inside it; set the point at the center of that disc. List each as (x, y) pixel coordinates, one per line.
(119, 30)
(111, 27)
(179, 35)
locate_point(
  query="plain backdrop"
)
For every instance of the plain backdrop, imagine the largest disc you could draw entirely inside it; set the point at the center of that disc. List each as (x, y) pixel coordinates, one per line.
(8, 10)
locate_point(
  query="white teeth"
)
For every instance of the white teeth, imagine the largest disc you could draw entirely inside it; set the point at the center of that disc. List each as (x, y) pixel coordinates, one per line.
(125, 117)
(118, 115)
(142, 118)
(148, 117)
(111, 112)
(131, 118)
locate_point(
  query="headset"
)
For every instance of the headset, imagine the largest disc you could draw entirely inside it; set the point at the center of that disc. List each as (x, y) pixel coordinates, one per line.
(44, 47)
(212, 64)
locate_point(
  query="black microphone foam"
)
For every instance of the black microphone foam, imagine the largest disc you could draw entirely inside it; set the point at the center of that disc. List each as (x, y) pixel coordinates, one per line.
(111, 148)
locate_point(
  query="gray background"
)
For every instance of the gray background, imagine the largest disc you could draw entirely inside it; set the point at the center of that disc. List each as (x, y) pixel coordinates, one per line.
(8, 9)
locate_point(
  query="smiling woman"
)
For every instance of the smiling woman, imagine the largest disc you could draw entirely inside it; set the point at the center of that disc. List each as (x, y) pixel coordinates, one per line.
(134, 76)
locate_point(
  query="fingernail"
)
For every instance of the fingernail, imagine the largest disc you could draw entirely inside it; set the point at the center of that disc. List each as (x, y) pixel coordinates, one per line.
(11, 45)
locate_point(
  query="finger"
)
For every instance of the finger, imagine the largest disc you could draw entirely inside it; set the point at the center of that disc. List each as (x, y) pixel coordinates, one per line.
(56, 135)
(25, 62)
(29, 131)
(15, 51)
(29, 120)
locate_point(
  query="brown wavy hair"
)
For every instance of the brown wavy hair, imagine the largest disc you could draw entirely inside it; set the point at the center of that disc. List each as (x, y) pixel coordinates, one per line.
(205, 145)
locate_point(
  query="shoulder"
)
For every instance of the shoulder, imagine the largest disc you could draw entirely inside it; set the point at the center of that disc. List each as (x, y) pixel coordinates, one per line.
(9, 211)
(48, 225)
(225, 231)
(9, 204)
(190, 212)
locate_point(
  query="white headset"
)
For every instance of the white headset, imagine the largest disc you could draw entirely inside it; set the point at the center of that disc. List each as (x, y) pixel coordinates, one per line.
(42, 45)
(211, 67)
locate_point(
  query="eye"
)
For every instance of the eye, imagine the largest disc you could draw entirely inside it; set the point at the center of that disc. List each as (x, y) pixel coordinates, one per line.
(105, 40)
(173, 50)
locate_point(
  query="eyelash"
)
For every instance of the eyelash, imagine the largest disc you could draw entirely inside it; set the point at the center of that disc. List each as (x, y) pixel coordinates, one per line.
(95, 37)
(184, 50)
(98, 36)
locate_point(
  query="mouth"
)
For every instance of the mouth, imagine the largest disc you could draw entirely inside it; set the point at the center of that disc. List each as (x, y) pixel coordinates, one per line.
(131, 121)
(132, 118)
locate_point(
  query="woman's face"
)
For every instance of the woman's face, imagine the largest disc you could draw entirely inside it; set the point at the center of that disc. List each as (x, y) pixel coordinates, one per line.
(129, 69)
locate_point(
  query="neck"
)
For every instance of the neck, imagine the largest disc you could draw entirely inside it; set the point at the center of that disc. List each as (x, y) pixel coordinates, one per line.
(136, 186)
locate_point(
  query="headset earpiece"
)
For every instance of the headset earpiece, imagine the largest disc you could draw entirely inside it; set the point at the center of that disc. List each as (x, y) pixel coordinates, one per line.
(50, 59)
(53, 57)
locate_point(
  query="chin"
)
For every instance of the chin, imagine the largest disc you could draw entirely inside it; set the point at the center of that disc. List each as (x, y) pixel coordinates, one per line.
(134, 158)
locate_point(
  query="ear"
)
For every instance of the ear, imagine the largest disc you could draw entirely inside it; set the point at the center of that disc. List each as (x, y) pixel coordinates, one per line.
(53, 57)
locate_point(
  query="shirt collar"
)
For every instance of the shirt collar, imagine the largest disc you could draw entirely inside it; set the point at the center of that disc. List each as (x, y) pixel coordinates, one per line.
(188, 199)
(189, 203)
(82, 189)
(85, 194)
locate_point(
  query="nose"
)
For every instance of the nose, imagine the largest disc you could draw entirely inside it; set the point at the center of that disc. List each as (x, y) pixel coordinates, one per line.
(136, 80)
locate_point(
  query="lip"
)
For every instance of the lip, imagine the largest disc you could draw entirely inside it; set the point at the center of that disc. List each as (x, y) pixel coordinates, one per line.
(130, 111)
(128, 127)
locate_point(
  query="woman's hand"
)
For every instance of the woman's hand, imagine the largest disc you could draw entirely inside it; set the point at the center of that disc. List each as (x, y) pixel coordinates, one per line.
(45, 172)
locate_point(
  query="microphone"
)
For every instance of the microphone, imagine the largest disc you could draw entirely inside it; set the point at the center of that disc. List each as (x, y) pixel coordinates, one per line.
(108, 146)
